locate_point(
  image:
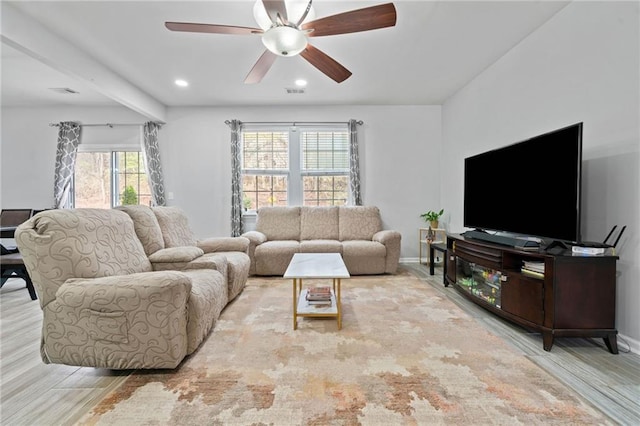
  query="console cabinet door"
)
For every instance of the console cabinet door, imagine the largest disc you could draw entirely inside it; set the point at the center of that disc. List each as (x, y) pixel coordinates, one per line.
(524, 297)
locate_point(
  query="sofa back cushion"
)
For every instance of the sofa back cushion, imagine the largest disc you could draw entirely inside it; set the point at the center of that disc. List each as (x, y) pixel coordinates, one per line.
(279, 223)
(147, 227)
(358, 222)
(60, 244)
(174, 224)
(319, 223)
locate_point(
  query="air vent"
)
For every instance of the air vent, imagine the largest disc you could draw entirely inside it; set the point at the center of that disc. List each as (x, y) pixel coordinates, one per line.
(292, 91)
(64, 90)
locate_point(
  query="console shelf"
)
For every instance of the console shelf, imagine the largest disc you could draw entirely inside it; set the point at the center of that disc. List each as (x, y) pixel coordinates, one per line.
(573, 296)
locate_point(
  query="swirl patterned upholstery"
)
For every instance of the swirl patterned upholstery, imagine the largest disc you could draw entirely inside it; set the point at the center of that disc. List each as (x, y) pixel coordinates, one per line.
(353, 231)
(171, 244)
(103, 303)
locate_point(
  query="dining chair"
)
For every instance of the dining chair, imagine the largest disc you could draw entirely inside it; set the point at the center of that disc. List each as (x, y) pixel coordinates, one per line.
(14, 217)
(11, 263)
(9, 220)
(12, 266)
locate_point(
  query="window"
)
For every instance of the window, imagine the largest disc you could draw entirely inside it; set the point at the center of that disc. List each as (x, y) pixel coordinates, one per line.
(325, 168)
(295, 166)
(105, 179)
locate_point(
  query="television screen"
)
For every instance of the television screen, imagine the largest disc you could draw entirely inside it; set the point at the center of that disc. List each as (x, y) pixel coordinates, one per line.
(530, 188)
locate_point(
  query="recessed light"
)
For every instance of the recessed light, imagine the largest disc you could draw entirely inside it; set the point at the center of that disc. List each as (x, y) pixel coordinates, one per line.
(301, 83)
(181, 83)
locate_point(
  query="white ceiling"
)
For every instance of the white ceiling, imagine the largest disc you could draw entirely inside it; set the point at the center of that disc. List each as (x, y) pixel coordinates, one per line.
(435, 49)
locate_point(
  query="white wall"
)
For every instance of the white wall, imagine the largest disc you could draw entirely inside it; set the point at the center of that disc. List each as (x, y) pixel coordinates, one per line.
(28, 148)
(399, 147)
(582, 65)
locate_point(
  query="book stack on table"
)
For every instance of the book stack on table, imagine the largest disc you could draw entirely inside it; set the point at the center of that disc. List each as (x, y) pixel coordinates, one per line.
(534, 269)
(319, 296)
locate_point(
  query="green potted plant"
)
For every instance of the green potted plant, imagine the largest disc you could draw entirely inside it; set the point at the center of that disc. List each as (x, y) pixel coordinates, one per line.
(432, 217)
(246, 201)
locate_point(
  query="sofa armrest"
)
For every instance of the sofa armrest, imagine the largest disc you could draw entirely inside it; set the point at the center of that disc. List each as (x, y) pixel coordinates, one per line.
(255, 239)
(386, 236)
(391, 240)
(176, 255)
(217, 244)
(119, 322)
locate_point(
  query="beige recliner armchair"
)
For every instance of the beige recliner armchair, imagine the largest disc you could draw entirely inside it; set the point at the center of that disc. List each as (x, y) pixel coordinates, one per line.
(103, 304)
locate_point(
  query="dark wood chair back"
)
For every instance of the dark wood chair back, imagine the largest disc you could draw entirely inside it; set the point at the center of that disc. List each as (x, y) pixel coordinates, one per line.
(14, 217)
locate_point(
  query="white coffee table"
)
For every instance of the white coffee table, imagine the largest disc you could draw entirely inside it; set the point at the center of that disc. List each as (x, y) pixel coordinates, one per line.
(316, 266)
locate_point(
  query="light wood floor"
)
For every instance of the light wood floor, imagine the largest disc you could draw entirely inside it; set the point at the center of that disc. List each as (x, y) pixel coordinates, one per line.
(610, 382)
(33, 393)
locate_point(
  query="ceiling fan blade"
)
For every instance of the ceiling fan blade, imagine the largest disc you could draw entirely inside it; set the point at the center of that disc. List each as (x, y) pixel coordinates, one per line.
(261, 67)
(369, 18)
(276, 8)
(210, 28)
(325, 63)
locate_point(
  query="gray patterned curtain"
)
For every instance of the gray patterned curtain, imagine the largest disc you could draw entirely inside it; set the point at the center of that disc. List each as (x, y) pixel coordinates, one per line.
(68, 139)
(236, 179)
(151, 155)
(354, 163)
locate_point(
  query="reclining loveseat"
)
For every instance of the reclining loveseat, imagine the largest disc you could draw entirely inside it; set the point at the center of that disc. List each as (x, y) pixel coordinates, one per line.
(111, 301)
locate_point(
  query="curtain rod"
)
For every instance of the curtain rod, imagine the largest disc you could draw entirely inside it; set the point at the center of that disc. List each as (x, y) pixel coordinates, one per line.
(103, 124)
(294, 123)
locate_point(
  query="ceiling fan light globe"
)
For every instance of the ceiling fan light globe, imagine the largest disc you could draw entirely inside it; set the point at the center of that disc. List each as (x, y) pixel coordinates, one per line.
(284, 41)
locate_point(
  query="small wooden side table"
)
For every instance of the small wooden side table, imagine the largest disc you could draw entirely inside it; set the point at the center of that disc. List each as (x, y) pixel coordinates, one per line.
(439, 236)
(442, 248)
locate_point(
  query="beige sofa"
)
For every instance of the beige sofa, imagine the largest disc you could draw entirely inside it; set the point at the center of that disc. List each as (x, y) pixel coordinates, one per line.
(353, 231)
(106, 304)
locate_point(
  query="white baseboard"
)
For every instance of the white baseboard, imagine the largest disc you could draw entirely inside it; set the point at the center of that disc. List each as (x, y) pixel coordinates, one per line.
(626, 343)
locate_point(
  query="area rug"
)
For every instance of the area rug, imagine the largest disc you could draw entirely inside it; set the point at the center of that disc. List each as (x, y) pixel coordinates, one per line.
(404, 356)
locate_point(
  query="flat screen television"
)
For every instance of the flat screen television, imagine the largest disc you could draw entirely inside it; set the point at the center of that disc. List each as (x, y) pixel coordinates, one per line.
(530, 188)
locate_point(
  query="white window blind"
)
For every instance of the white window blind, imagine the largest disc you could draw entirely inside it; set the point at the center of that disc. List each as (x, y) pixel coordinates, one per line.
(299, 165)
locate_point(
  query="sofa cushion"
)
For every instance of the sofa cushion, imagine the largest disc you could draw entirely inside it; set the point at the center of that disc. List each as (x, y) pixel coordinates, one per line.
(273, 257)
(319, 223)
(279, 223)
(320, 246)
(147, 227)
(364, 257)
(174, 224)
(359, 222)
(233, 265)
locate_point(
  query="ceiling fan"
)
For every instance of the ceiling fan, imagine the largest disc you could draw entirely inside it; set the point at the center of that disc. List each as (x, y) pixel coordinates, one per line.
(285, 27)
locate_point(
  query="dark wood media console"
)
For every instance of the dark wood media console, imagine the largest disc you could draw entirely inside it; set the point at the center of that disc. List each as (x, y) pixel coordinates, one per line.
(575, 296)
